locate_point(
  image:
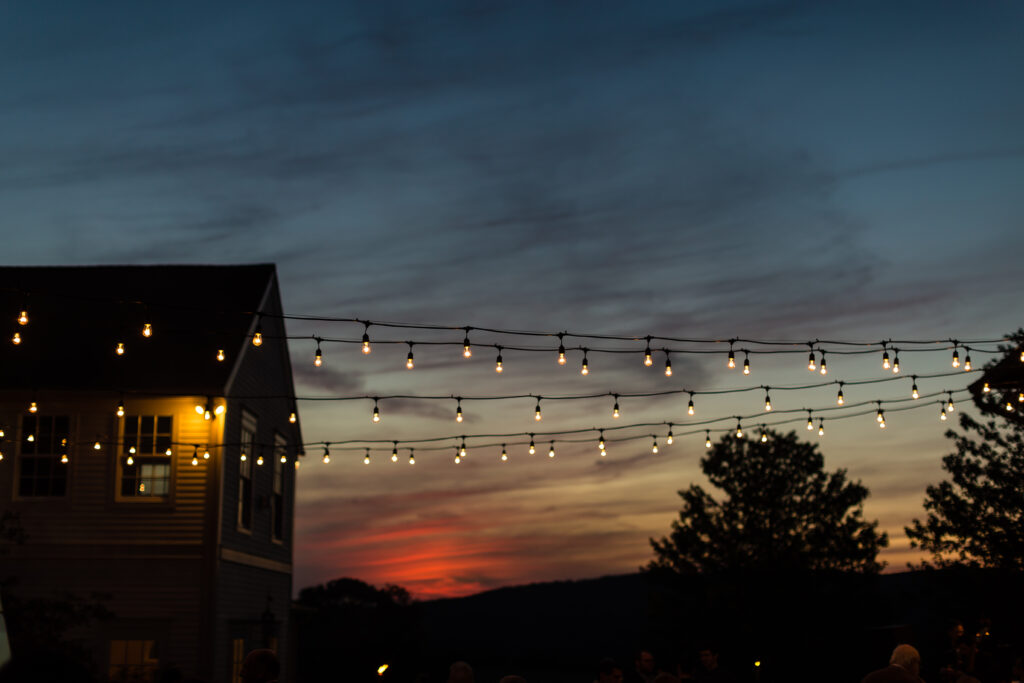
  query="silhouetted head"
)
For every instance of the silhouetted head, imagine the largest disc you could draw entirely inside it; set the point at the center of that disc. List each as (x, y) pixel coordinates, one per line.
(708, 655)
(906, 657)
(260, 666)
(645, 662)
(460, 672)
(609, 672)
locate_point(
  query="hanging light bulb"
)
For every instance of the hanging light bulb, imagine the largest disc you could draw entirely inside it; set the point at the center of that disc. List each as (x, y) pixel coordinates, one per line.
(839, 397)
(986, 388)
(533, 448)
(220, 355)
(16, 339)
(120, 349)
(942, 414)
(409, 364)
(292, 417)
(412, 457)
(668, 365)
(956, 358)
(654, 445)
(707, 438)
(284, 458)
(458, 410)
(1020, 399)
(97, 446)
(810, 421)
(821, 427)
(881, 421)
(615, 408)
(878, 415)
(584, 367)
(746, 363)
(147, 330)
(561, 351)
(30, 438)
(1009, 406)
(731, 363)
(130, 461)
(648, 360)
(131, 449)
(967, 363)
(64, 458)
(467, 351)
(536, 412)
(318, 358)
(689, 406)
(168, 451)
(764, 434)
(257, 337)
(810, 362)
(600, 440)
(949, 405)
(195, 456)
(394, 453)
(668, 438)
(504, 453)
(551, 450)
(366, 458)
(462, 448)
(498, 367)
(886, 365)
(913, 390)
(120, 409)
(23, 318)
(33, 407)
(327, 454)
(376, 412)
(823, 368)
(739, 430)
(767, 401)
(366, 339)
(896, 362)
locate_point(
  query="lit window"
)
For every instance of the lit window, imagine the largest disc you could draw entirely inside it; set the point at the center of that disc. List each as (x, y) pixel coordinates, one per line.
(133, 660)
(145, 466)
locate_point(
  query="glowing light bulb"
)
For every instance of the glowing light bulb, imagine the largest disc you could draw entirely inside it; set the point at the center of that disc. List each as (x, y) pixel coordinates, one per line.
(220, 355)
(707, 441)
(739, 431)
(746, 364)
(458, 412)
(257, 339)
(810, 362)
(297, 463)
(97, 446)
(878, 416)
(881, 422)
(130, 461)
(284, 458)
(689, 408)
(327, 455)
(394, 454)
(200, 409)
(504, 453)
(561, 352)
(1020, 399)
(30, 438)
(16, 339)
(366, 342)
(731, 363)
(462, 449)
(1, 457)
(600, 441)
(120, 409)
(147, 330)
(195, 460)
(318, 358)
(551, 451)
(615, 409)
(168, 451)
(409, 364)
(32, 407)
(764, 436)
(913, 391)
(949, 405)
(533, 448)
(604, 453)
(654, 447)
(131, 449)
(23, 318)
(823, 368)
(1009, 406)
(536, 412)
(412, 457)
(668, 439)
(942, 414)
(292, 417)
(64, 458)
(986, 388)
(839, 397)
(498, 366)
(376, 413)
(821, 428)
(467, 352)
(956, 359)
(885, 361)
(648, 361)
(810, 422)
(967, 363)
(896, 363)
(366, 458)
(243, 457)
(767, 402)
(585, 367)
(206, 455)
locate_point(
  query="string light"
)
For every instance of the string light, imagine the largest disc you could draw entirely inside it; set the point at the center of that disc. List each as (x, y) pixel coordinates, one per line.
(739, 430)
(810, 421)
(561, 352)
(376, 412)
(220, 355)
(879, 416)
(1020, 399)
(64, 458)
(409, 364)
(243, 457)
(96, 446)
(327, 454)
(195, 456)
(533, 448)
(129, 461)
(120, 349)
(896, 362)
(498, 367)
(284, 458)
(839, 397)
(467, 351)
(458, 410)
(366, 458)
(764, 434)
(33, 407)
(412, 457)
(956, 358)
(318, 358)
(394, 453)
(16, 339)
(600, 442)
(206, 454)
(366, 339)
(648, 361)
(536, 413)
(23, 318)
(654, 445)
(120, 409)
(942, 414)
(257, 337)
(668, 439)
(821, 427)
(810, 361)
(824, 367)
(967, 363)
(886, 365)
(986, 388)
(551, 451)
(1009, 406)
(504, 453)
(668, 365)
(615, 408)
(731, 363)
(147, 330)
(913, 390)
(584, 367)
(462, 448)
(746, 363)
(707, 438)
(292, 417)
(458, 458)
(168, 451)
(949, 406)
(767, 401)
(881, 421)
(689, 406)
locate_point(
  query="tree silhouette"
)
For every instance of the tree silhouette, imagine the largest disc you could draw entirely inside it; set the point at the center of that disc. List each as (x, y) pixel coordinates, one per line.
(781, 511)
(976, 517)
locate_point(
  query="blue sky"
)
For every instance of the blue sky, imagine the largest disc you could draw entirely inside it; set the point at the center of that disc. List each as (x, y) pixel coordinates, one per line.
(772, 170)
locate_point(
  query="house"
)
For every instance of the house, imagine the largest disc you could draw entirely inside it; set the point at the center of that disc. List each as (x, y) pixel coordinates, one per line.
(150, 450)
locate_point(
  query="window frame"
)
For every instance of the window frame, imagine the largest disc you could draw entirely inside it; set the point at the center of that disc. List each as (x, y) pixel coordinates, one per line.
(277, 490)
(122, 455)
(21, 456)
(248, 438)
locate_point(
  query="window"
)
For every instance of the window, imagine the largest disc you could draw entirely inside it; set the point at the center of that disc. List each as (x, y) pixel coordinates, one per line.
(248, 442)
(237, 657)
(43, 468)
(133, 660)
(277, 495)
(145, 461)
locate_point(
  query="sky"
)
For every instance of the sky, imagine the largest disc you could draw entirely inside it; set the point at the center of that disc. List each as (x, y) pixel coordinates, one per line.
(764, 170)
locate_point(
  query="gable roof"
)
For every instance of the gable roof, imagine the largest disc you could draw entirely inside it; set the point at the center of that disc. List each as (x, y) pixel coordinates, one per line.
(78, 315)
